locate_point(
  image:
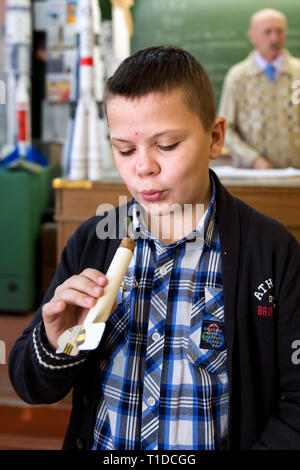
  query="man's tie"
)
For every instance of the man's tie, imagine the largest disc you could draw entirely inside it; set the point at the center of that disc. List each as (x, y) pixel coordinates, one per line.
(270, 72)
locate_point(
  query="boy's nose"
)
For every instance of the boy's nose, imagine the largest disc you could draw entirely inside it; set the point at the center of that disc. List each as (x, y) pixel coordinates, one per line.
(146, 165)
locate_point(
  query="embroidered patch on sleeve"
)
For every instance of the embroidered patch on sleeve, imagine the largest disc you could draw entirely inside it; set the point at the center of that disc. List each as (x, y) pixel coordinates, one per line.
(212, 335)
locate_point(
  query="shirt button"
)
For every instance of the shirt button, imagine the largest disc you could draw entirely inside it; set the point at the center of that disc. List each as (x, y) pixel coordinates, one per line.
(156, 336)
(163, 271)
(80, 443)
(85, 400)
(150, 401)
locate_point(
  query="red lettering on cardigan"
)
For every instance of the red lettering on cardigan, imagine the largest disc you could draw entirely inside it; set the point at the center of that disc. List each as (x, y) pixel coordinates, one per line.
(263, 311)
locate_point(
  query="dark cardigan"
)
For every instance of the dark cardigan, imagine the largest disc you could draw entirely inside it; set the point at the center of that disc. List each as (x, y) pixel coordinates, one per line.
(261, 277)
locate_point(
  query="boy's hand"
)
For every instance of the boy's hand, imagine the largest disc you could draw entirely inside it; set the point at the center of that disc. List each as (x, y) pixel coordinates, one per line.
(71, 302)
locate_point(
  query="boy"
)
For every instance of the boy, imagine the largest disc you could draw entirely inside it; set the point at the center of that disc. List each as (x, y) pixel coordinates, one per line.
(202, 354)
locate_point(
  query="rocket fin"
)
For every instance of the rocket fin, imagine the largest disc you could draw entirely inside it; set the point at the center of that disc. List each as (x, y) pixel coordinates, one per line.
(78, 158)
(80, 338)
(67, 147)
(10, 158)
(34, 156)
(93, 335)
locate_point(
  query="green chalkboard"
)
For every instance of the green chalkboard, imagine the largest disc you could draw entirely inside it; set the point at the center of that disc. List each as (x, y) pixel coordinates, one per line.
(215, 31)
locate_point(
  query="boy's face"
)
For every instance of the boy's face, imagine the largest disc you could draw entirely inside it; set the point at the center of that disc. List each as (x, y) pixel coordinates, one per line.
(162, 150)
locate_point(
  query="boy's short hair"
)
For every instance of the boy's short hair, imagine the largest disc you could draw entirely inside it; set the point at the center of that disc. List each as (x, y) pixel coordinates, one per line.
(164, 69)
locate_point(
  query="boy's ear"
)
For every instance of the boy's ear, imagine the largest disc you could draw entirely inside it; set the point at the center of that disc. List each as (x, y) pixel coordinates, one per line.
(217, 137)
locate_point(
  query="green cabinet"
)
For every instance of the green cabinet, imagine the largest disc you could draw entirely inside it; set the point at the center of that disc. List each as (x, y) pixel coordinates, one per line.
(24, 197)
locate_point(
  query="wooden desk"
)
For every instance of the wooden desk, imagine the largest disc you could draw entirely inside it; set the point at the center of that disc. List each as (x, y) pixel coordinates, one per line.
(279, 199)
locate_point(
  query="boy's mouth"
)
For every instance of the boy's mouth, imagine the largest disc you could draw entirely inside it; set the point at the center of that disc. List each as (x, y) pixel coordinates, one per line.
(152, 195)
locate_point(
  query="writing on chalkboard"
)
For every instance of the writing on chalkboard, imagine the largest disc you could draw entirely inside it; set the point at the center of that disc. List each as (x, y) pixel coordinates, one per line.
(169, 5)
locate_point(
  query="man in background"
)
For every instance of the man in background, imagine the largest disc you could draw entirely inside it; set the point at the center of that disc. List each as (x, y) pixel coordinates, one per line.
(263, 123)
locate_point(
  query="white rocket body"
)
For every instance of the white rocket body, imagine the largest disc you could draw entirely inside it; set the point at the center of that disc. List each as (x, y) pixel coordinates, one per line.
(85, 149)
(23, 116)
(115, 275)
(18, 43)
(97, 54)
(18, 46)
(18, 36)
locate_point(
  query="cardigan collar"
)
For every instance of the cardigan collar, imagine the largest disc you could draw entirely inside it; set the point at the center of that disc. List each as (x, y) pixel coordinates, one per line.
(253, 68)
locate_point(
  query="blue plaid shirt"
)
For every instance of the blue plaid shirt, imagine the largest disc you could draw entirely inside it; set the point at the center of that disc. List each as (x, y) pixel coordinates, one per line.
(163, 381)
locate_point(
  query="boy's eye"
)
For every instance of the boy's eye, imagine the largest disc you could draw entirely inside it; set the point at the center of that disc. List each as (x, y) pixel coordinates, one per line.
(126, 152)
(164, 148)
(168, 147)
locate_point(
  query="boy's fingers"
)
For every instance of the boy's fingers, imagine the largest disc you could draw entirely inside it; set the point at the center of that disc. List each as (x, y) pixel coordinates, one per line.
(81, 284)
(94, 275)
(74, 297)
(80, 290)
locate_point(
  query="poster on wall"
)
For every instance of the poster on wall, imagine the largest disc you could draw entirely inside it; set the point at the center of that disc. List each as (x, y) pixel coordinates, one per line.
(61, 49)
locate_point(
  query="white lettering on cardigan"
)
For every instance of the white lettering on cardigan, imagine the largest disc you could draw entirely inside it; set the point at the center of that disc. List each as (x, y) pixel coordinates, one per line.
(296, 354)
(263, 288)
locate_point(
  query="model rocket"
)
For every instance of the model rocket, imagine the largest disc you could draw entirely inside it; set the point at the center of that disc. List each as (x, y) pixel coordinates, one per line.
(87, 336)
(122, 26)
(18, 46)
(83, 151)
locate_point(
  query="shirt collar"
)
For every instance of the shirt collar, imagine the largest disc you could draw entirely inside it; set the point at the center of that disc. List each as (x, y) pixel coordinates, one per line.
(253, 69)
(202, 233)
(262, 63)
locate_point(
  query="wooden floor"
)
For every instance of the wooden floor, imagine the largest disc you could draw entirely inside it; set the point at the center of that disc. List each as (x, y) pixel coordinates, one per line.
(25, 427)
